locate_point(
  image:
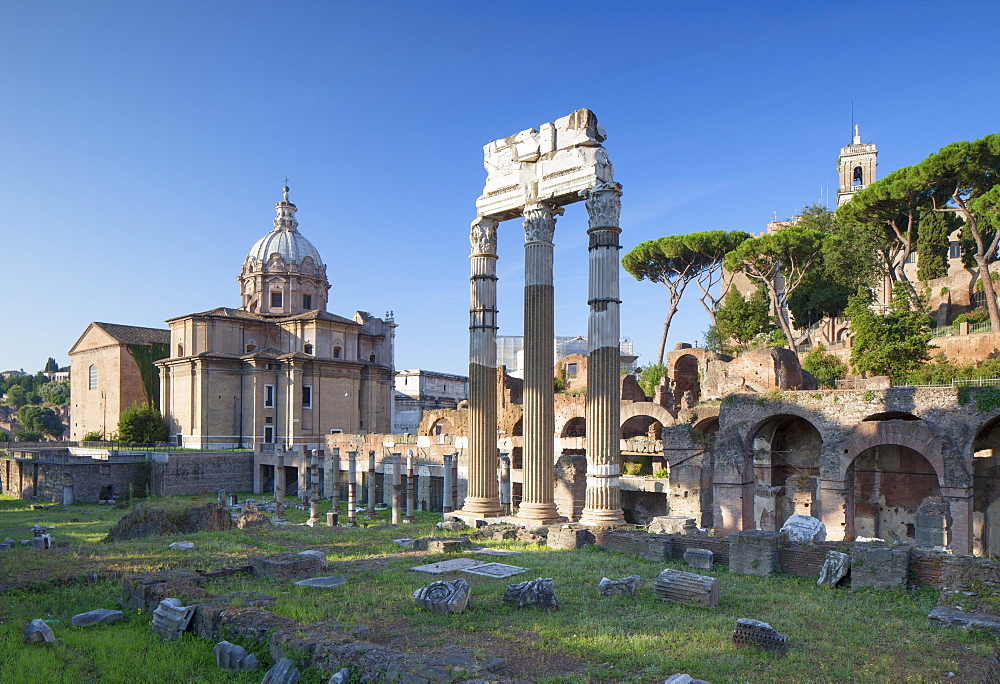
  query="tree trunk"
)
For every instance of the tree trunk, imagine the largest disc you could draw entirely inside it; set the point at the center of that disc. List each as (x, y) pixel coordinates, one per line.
(666, 327)
(780, 315)
(989, 293)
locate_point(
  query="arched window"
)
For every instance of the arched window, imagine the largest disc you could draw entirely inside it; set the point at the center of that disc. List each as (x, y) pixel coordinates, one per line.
(251, 347)
(336, 352)
(308, 349)
(180, 350)
(859, 176)
(93, 376)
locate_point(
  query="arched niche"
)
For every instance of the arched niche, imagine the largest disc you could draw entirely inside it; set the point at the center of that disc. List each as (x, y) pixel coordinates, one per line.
(786, 451)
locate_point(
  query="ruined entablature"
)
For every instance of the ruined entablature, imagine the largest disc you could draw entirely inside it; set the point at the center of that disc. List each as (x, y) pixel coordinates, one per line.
(552, 164)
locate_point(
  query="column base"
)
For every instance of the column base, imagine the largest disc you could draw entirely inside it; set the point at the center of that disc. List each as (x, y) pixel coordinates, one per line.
(537, 515)
(480, 507)
(601, 518)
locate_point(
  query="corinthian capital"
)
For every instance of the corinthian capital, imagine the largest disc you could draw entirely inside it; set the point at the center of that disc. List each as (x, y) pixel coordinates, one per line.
(483, 236)
(604, 204)
(540, 221)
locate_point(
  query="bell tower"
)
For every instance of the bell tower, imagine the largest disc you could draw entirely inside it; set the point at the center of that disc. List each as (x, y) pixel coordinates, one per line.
(856, 166)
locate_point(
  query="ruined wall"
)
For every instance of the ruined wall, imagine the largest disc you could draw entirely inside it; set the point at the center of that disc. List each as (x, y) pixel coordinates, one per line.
(90, 482)
(183, 474)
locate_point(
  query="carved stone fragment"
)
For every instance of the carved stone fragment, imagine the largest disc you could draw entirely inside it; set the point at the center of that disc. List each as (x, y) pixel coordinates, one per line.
(687, 588)
(804, 528)
(625, 586)
(283, 672)
(879, 566)
(754, 552)
(171, 618)
(444, 597)
(835, 568)
(95, 617)
(756, 634)
(537, 592)
(232, 657)
(703, 559)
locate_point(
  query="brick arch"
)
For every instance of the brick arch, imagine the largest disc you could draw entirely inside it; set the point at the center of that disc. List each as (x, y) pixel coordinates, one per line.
(564, 419)
(786, 410)
(899, 433)
(646, 408)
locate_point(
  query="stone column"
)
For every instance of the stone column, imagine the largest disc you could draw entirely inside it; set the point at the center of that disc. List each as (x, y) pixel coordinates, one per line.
(505, 483)
(370, 513)
(411, 489)
(279, 485)
(447, 504)
(603, 505)
(538, 501)
(352, 488)
(483, 499)
(397, 488)
(836, 509)
(313, 488)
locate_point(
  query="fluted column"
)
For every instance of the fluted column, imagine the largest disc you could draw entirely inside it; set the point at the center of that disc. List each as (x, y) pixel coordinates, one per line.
(538, 500)
(483, 497)
(603, 501)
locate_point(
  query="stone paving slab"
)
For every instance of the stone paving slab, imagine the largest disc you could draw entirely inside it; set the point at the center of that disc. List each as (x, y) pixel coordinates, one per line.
(495, 570)
(448, 566)
(322, 582)
(493, 552)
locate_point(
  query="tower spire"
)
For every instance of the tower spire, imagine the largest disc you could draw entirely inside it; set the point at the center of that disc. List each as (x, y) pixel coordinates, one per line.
(285, 210)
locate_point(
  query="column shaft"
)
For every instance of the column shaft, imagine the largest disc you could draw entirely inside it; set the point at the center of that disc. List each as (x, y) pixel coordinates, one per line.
(603, 498)
(483, 496)
(538, 500)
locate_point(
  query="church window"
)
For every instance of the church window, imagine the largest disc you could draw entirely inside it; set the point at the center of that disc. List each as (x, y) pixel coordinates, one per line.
(269, 395)
(180, 350)
(93, 376)
(308, 349)
(307, 396)
(268, 434)
(251, 347)
(276, 299)
(371, 358)
(954, 250)
(307, 302)
(859, 176)
(336, 352)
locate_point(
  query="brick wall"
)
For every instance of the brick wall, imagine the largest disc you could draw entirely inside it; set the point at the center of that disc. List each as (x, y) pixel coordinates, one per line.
(203, 473)
(36, 479)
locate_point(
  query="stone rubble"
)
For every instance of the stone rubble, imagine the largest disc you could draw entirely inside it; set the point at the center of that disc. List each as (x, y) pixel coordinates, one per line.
(539, 593)
(804, 528)
(835, 568)
(37, 632)
(282, 672)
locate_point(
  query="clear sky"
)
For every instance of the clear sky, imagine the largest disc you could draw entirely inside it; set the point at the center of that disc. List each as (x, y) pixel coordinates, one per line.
(143, 144)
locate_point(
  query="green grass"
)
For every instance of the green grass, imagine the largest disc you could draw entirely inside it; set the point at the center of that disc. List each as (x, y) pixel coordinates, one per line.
(835, 635)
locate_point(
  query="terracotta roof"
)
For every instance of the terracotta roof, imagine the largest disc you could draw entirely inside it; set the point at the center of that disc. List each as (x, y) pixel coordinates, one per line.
(131, 334)
(317, 314)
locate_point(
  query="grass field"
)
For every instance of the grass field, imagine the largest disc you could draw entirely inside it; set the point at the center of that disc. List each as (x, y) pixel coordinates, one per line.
(836, 635)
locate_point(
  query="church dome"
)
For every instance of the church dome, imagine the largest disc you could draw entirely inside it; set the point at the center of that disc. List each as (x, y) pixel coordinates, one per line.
(285, 238)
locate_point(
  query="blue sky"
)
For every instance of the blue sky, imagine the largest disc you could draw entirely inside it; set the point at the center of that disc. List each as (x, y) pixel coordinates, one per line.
(144, 143)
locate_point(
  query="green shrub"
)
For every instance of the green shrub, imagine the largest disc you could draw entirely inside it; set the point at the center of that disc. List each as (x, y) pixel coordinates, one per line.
(141, 423)
(824, 365)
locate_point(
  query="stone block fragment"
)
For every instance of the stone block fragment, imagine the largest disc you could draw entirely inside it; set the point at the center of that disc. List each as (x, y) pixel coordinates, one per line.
(285, 565)
(232, 657)
(171, 618)
(835, 568)
(451, 525)
(879, 566)
(341, 677)
(282, 672)
(625, 586)
(703, 559)
(804, 528)
(539, 593)
(315, 553)
(38, 632)
(441, 544)
(756, 634)
(101, 616)
(670, 524)
(754, 552)
(444, 597)
(322, 582)
(949, 617)
(687, 588)
(932, 530)
(681, 678)
(181, 546)
(567, 537)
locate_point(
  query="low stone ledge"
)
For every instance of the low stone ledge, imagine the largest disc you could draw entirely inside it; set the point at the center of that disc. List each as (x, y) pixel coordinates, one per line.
(949, 617)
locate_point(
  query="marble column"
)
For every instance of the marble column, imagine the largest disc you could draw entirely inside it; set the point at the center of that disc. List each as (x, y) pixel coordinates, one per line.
(370, 513)
(483, 498)
(538, 500)
(352, 487)
(603, 504)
